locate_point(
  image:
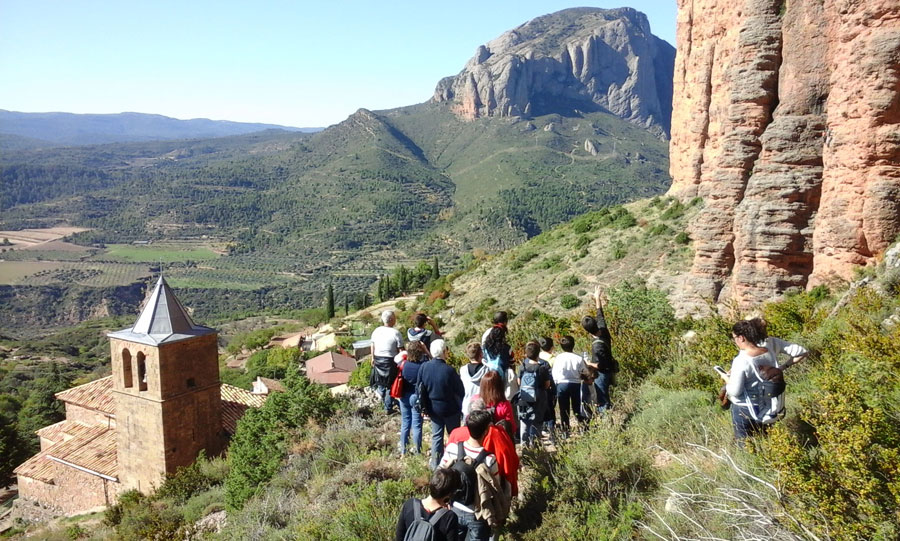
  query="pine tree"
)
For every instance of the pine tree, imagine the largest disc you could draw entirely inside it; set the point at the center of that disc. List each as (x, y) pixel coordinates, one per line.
(329, 302)
(435, 271)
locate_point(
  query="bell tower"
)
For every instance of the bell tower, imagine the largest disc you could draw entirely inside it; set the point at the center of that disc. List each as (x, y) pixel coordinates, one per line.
(167, 392)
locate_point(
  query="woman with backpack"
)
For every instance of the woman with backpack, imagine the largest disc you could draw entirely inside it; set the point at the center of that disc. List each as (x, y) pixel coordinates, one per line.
(431, 517)
(496, 350)
(755, 384)
(534, 384)
(410, 414)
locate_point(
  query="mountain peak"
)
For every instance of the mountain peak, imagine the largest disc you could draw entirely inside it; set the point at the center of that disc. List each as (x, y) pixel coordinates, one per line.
(578, 59)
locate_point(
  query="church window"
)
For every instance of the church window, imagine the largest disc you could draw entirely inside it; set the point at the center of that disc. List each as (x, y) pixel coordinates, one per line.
(127, 376)
(142, 372)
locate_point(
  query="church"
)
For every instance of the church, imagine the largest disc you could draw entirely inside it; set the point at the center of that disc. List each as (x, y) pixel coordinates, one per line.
(162, 405)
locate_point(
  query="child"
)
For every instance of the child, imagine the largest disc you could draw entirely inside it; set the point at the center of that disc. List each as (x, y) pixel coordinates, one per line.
(534, 381)
(434, 508)
(491, 393)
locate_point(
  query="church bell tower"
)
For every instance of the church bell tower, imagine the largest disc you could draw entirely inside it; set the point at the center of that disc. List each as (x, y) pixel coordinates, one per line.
(167, 392)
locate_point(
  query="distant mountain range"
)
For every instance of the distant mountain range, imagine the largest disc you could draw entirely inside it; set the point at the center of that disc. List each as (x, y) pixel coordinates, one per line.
(54, 129)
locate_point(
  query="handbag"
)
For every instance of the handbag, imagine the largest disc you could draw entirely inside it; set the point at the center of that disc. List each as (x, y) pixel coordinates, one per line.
(397, 386)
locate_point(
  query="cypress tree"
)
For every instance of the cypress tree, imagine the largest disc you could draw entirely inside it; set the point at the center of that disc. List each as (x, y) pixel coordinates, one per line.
(435, 271)
(329, 302)
(346, 305)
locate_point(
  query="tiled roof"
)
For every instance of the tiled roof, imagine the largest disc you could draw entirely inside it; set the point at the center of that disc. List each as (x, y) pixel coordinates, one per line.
(272, 384)
(330, 362)
(64, 430)
(92, 448)
(95, 395)
(235, 402)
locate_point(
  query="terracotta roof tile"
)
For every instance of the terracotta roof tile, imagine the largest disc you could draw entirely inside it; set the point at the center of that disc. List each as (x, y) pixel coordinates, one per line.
(95, 395)
(273, 384)
(330, 361)
(92, 448)
(235, 402)
(64, 430)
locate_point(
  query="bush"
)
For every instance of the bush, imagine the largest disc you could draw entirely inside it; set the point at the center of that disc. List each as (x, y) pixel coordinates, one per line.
(570, 281)
(659, 229)
(675, 210)
(682, 238)
(618, 250)
(583, 520)
(156, 521)
(360, 377)
(401, 305)
(569, 301)
(189, 480)
(127, 500)
(582, 242)
(369, 513)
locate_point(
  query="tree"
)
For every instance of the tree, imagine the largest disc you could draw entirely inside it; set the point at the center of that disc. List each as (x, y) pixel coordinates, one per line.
(435, 271)
(346, 305)
(329, 302)
(12, 449)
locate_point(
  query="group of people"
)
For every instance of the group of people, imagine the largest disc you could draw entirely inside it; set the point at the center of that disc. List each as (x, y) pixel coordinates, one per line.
(482, 411)
(496, 400)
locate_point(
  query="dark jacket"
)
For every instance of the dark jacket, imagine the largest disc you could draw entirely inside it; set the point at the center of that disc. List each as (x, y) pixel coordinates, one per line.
(410, 376)
(442, 387)
(601, 349)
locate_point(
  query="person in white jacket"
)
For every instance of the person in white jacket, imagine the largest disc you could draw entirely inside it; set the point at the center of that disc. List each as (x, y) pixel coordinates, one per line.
(757, 351)
(471, 375)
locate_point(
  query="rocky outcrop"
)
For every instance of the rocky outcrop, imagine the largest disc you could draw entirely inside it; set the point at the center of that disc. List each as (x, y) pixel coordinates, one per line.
(786, 121)
(577, 59)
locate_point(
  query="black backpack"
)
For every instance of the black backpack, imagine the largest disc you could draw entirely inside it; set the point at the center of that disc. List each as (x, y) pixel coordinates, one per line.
(765, 393)
(468, 488)
(422, 529)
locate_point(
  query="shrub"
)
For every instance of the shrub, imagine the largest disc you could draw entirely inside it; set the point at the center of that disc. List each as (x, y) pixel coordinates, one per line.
(549, 263)
(189, 480)
(583, 520)
(675, 210)
(659, 229)
(641, 322)
(369, 513)
(156, 521)
(569, 301)
(400, 305)
(582, 242)
(360, 377)
(127, 500)
(682, 238)
(570, 281)
(618, 250)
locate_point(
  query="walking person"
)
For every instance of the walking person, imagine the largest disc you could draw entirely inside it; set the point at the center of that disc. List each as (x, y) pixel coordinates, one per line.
(433, 509)
(534, 382)
(440, 394)
(546, 356)
(492, 395)
(497, 353)
(567, 371)
(755, 384)
(410, 413)
(386, 344)
(602, 365)
(471, 375)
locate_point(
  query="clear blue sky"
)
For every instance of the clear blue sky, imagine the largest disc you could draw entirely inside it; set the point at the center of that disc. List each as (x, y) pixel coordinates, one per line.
(300, 63)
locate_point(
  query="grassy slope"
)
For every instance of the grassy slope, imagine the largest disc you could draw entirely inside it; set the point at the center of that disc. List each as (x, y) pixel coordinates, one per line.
(538, 273)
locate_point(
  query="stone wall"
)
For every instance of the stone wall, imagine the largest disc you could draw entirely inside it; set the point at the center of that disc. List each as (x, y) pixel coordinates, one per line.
(72, 493)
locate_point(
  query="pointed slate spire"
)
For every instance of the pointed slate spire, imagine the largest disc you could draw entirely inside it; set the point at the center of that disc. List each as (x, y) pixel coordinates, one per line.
(163, 319)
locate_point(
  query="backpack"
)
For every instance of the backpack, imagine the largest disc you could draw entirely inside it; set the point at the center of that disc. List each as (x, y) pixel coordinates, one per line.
(467, 492)
(528, 389)
(765, 393)
(422, 529)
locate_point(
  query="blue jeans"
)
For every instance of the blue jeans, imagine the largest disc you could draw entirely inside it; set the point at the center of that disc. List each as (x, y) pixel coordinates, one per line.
(385, 394)
(438, 425)
(744, 425)
(569, 397)
(601, 383)
(410, 416)
(470, 528)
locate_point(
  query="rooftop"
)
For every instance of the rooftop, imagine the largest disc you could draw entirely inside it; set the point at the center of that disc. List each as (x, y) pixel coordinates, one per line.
(92, 449)
(96, 395)
(163, 320)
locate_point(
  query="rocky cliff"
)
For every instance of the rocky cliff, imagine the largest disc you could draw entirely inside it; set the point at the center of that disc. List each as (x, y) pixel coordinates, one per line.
(585, 59)
(786, 121)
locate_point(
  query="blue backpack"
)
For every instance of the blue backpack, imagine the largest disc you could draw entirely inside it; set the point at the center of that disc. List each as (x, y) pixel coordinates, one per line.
(528, 389)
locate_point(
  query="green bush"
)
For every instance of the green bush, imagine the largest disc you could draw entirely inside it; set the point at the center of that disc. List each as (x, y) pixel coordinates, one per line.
(156, 521)
(127, 500)
(682, 238)
(370, 512)
(570, 281)
(586, 520)
(675, 210)
(189, 480)
(569, 301)
(618, 251)
(360, 377)
(582, 242)
(659, 229)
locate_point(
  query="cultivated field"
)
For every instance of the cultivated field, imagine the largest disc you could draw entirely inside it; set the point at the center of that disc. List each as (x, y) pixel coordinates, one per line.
(164, 252)
(42, 273)
(31, 238)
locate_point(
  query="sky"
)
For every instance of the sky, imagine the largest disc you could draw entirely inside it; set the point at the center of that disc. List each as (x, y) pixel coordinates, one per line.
(296, 63)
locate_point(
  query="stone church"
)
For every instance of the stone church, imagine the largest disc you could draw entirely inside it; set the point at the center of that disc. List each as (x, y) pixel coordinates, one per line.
(162, 405)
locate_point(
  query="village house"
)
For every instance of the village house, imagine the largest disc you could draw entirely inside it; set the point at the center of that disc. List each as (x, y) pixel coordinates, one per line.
(330, 369)
(161, 406)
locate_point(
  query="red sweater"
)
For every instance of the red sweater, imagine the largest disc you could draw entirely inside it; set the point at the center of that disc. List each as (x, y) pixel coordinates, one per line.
(498, 443)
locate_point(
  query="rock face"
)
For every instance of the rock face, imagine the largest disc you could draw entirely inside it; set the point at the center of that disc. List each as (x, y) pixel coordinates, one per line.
(585, 59)
(786, 121)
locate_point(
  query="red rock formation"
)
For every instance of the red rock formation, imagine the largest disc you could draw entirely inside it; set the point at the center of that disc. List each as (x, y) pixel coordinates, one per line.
(786, 120)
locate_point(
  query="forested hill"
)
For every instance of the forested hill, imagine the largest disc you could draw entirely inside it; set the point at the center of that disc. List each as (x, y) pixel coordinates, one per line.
(89, 129)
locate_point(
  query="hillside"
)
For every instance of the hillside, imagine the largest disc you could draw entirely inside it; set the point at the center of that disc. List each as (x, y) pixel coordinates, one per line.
(287, 212)
(67, 129)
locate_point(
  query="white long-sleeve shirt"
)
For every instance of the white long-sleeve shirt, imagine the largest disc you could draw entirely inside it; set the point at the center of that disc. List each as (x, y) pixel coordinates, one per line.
(742, 367)
(567, 368)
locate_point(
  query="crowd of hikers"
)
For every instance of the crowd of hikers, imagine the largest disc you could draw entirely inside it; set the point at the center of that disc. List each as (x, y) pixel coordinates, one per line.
(495, 402)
